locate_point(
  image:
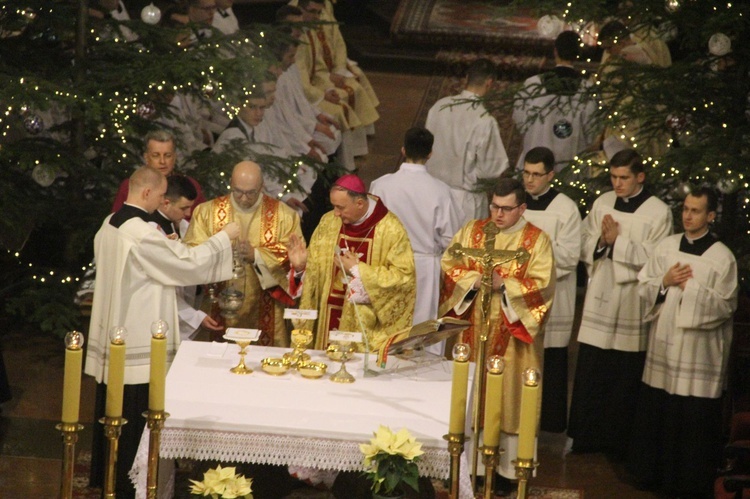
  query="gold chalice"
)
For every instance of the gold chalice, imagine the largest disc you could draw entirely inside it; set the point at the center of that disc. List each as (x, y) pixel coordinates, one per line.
(241, 368)
(243, 338)
(301, 338)
(341, 351)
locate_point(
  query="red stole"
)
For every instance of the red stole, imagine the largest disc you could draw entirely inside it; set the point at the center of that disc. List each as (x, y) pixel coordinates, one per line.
(358, 239)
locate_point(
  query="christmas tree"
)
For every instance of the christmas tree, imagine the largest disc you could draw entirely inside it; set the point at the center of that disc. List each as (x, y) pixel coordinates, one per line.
(78, 93)
(690, 119)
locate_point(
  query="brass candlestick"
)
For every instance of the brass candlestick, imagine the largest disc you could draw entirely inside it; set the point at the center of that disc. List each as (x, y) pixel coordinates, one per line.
(155, 424)
(112, 431)
(455, 448)
(70, 437)
(490, 458)
(524, 469)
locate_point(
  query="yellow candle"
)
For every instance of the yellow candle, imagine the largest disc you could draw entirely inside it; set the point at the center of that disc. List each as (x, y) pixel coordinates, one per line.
(529, 412)
(493, 400)
(158, 372)
(72, 377)
(457, 420)
(115, 377)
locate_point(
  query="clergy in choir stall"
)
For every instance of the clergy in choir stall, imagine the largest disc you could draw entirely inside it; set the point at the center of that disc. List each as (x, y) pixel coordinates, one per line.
(169, 218)
(188, 117)
(521, 300)
(339, 53)
(115, 10)
(467, 146)
(619, 235)
(690, 287)
(160, 154)
(555, 109)
(249, 138)
(431, 218)
(224, 19)
(359, 268)
(302, 118)
(327, 114)
(266, 227)
(325, 80)
(558, 216)
(138, 270)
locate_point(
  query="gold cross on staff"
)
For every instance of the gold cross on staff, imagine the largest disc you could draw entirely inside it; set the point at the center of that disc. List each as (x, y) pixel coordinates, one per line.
(489, 257)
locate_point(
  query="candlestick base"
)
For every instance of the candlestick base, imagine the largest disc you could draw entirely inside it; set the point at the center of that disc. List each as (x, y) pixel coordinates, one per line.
(112, 431)
(155, 422)
(524, 470)
(69, 433)
(455, 448)
(490, 459)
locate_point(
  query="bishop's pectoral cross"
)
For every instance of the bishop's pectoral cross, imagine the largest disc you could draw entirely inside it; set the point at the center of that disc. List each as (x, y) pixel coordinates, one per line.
(489, 258)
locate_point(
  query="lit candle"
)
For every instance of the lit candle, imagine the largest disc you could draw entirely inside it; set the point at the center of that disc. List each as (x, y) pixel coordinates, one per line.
(529, 405)
(116, 373)
(158, 372)
(457, 421)
(493, 400)
(72, 377)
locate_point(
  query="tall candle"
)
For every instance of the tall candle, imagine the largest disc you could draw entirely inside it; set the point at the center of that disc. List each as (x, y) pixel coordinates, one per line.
(493, 400)
(116, 374)
(158, 371)
(529, 412)
(457, 421)
(72, 377)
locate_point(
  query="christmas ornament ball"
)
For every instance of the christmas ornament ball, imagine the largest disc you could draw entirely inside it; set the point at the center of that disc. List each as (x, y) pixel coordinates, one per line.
(151, 14)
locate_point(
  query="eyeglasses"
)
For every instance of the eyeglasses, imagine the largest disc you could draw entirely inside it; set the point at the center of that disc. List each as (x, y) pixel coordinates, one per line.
(534, 175)
(504, 209)
(247, 194)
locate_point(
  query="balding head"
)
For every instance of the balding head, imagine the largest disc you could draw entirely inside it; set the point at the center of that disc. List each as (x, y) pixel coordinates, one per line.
(146, 188)
(246, 183)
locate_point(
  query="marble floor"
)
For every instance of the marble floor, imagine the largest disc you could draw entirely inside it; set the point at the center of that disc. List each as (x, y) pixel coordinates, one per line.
(30, 447)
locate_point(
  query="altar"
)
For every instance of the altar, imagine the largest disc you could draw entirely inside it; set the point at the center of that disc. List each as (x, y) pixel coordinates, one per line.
(290, 420)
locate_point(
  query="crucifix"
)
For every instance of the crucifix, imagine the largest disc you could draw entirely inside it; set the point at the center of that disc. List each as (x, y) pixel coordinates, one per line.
(489, 258)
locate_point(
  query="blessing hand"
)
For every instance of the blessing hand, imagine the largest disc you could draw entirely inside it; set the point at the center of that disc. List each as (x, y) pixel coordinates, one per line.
(297, 253)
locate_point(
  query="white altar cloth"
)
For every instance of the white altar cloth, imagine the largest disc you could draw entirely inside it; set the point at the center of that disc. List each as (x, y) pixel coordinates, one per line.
(217, 415)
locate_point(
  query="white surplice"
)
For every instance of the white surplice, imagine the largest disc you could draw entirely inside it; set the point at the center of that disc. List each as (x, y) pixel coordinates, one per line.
(612, 311)
(691, 331)
(467, 148)
(562, 223)
(563, 123)
(137, 272)
(225, 21)
(431, 218)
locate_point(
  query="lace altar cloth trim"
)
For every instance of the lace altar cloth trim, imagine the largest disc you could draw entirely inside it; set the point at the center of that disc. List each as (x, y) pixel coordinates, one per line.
(273, 449)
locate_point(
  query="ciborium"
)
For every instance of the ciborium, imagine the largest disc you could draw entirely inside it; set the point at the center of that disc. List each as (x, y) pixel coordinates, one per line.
(301, 338)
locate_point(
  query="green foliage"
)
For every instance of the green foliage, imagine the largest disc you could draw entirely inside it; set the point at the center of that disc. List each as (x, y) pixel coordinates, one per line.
(391, 472)
(71, 128)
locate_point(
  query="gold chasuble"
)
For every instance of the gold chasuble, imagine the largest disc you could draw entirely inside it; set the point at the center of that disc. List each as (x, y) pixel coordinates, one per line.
(529, 289)
(267, 226)
(386, 268)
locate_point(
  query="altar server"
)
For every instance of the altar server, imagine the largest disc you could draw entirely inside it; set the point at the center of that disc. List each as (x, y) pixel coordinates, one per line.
(137, 272)
(424, 205)
(619, 235)
(467, 145)
(558, 216)
(690, 287)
